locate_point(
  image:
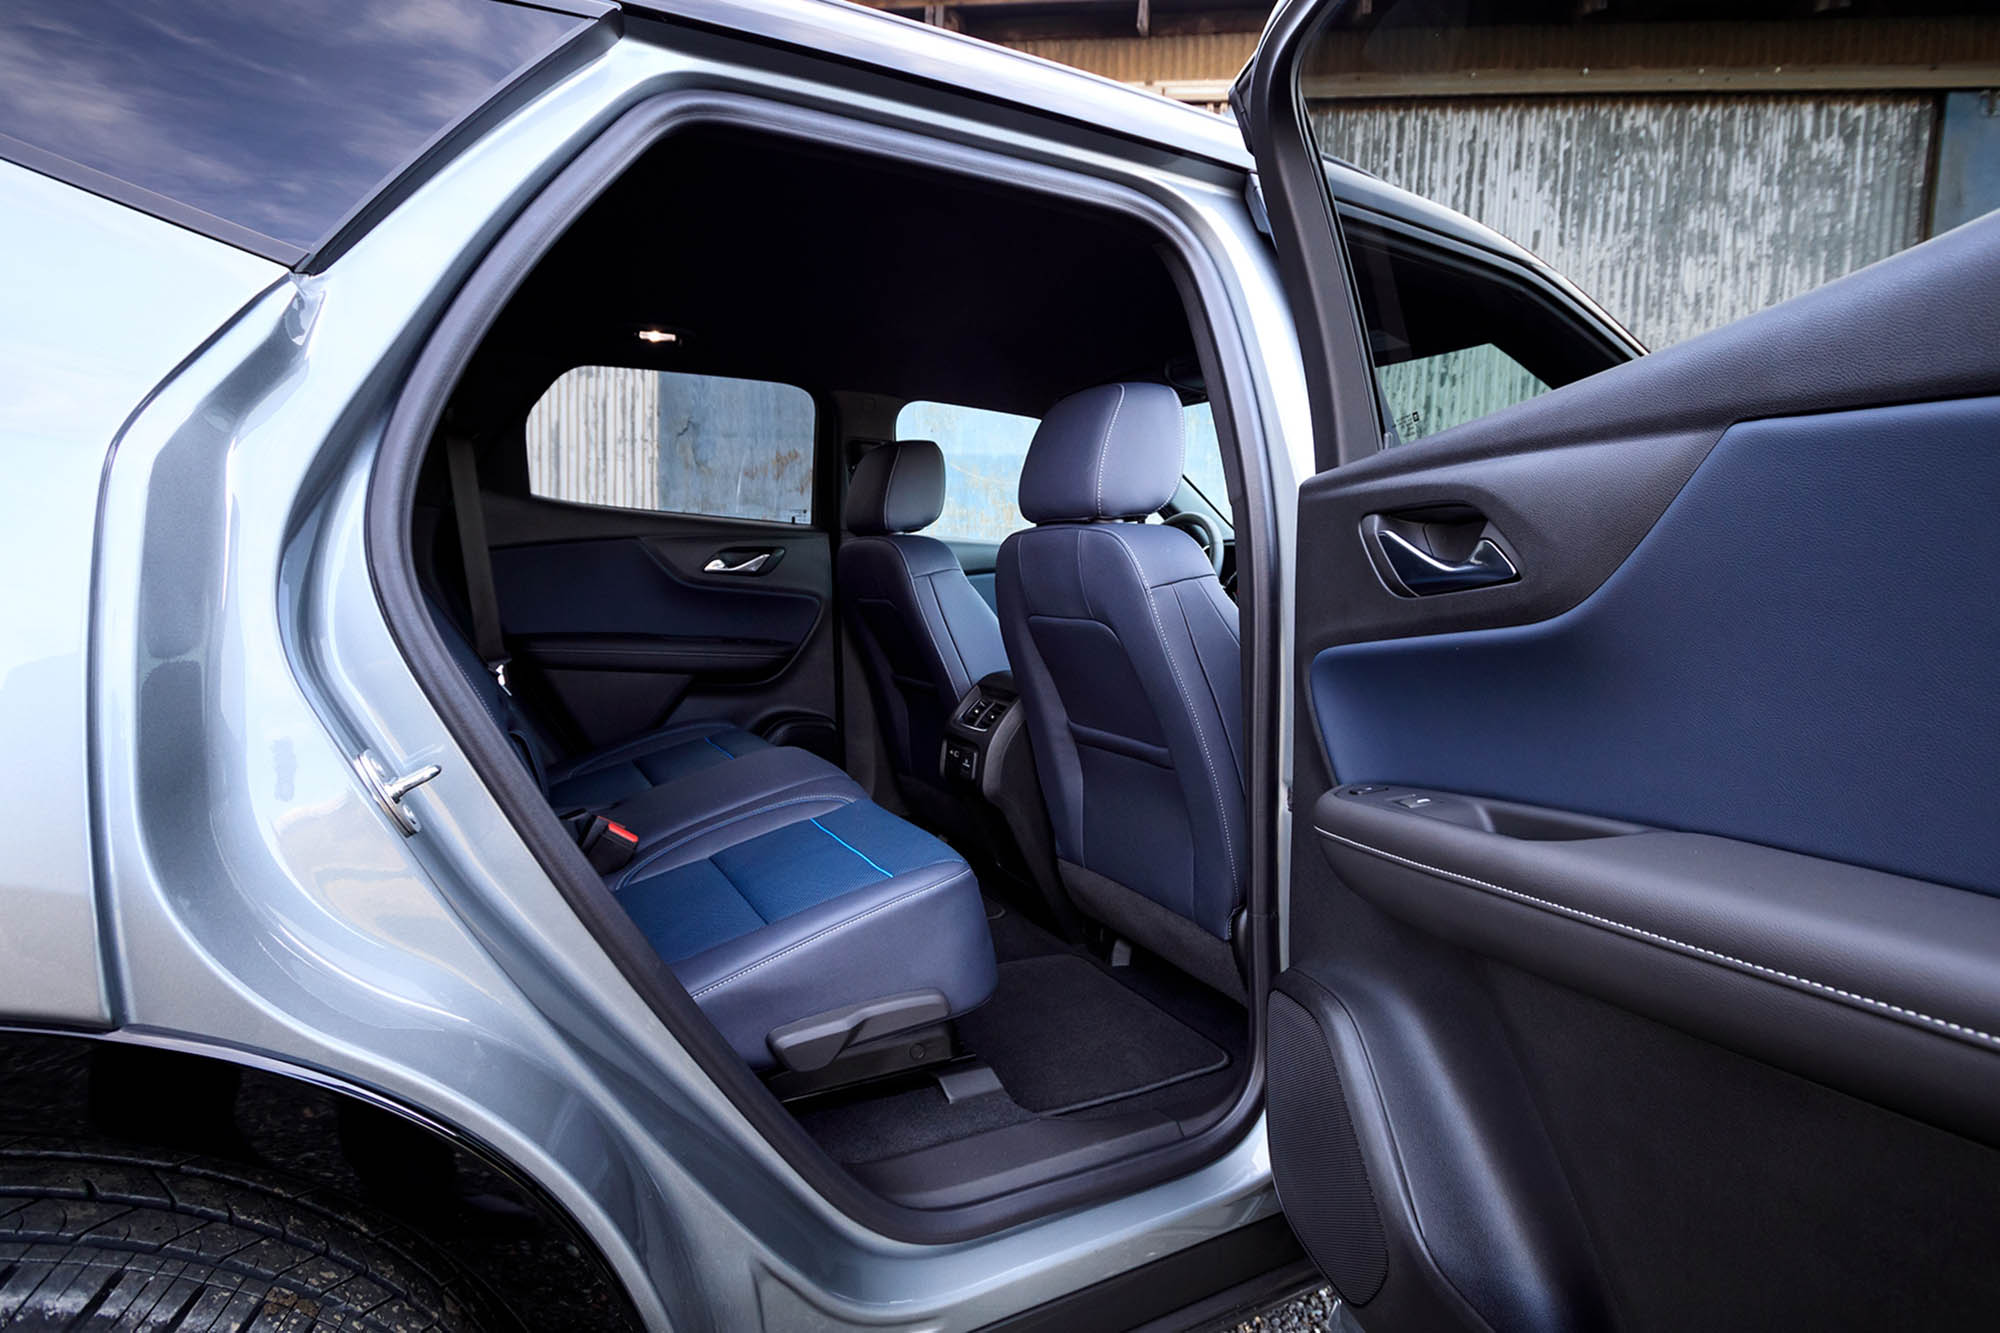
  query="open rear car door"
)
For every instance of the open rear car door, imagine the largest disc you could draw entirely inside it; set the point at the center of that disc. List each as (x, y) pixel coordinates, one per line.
(1644, 921)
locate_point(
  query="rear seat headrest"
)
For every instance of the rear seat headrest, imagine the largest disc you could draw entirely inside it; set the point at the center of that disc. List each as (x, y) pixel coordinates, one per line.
(1115, 451)
(897, 487)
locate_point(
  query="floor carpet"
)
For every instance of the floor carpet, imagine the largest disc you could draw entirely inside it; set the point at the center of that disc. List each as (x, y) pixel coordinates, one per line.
(1063, 1035)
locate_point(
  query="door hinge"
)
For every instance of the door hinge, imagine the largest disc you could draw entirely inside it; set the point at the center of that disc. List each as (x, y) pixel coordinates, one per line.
(389, 792)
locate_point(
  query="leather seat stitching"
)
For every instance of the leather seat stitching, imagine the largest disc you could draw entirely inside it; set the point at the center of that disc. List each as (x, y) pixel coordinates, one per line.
(1640, 932)
(645, 746)
(1201, 737)
(889, 488)
(1208, 681)
(964, 672)
(493, 714)
(719, 823)
(1104, 448)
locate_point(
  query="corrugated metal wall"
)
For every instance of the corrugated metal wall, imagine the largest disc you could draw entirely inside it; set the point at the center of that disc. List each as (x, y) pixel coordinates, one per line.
(1676, 213)
(686, 444)
(594, 438)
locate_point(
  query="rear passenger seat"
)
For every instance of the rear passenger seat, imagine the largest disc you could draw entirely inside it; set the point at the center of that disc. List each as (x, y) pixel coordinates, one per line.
(763, 875)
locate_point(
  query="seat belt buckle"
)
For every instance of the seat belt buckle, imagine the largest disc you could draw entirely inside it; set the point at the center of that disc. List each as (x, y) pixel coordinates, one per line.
(498, 666)
(607, 844)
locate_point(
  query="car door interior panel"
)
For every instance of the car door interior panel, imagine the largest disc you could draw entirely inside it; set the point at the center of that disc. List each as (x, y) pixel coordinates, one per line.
(1829, 690)
(624, 621)
(1708, 916)
(1705, 788)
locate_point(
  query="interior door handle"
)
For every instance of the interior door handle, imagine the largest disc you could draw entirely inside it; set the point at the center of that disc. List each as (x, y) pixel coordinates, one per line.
(1423, 574)
(751, 564)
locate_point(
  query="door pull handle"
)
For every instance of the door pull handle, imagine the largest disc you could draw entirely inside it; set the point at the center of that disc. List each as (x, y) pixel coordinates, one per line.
(1424, 575)
(749, 565)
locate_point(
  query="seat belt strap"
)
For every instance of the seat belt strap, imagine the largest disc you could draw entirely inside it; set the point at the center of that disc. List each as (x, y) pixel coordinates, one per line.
(481, 600)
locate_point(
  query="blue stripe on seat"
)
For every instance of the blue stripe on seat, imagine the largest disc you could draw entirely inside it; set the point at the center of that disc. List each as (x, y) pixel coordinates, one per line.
(774, 875)
(851, 847)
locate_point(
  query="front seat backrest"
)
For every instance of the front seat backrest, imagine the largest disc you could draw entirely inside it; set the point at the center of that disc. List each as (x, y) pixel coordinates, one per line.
(926, 636)
(1125, 651)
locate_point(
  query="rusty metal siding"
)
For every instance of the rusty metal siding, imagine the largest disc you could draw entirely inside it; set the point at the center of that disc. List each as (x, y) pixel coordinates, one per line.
(594, 438)
(1677, 213)
(691, 444)
(1853, 54)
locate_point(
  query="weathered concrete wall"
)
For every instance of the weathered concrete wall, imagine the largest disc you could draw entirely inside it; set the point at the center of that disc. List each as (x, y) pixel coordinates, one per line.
(1677, 214)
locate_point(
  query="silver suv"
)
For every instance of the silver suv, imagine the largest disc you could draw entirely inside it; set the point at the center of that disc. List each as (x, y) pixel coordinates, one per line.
(744, 665)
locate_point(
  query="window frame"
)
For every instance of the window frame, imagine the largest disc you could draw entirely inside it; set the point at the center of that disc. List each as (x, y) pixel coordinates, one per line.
(1534, 285)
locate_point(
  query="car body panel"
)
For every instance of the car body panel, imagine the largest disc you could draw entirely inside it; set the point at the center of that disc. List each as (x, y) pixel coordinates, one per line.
(117, 299)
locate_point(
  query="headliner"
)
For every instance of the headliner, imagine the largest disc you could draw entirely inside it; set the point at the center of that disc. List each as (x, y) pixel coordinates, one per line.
(832, 272)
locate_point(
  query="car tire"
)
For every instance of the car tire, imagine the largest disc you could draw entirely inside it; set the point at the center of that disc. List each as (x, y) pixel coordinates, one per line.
(99, 1239)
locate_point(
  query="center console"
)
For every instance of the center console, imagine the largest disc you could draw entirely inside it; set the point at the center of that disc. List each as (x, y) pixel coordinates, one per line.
(986, 723)
(986, 759)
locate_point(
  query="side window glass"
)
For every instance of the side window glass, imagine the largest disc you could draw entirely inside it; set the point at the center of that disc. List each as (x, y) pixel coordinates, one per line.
(1455, 338)
(983, 453)
(1203, 468)
(1425, 395)
(684, 444)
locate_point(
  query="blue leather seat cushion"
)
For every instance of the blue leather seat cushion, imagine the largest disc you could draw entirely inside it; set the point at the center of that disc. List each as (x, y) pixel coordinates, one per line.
(832, 908)
(765, 789)
(774, 874)
(600, 779)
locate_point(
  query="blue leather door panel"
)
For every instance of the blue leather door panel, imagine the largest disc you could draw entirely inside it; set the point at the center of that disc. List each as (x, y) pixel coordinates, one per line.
(1800, 653)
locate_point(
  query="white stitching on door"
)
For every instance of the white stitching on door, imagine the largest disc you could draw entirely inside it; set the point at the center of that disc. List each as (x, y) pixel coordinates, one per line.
(1562, 909)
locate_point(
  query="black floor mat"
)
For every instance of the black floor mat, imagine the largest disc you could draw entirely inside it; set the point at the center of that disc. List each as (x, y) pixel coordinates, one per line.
(870, 1129)
(1062, 1034)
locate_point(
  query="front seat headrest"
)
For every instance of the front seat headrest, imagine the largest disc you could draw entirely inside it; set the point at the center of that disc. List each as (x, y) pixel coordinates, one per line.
(896, 487)
(1115, 451)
